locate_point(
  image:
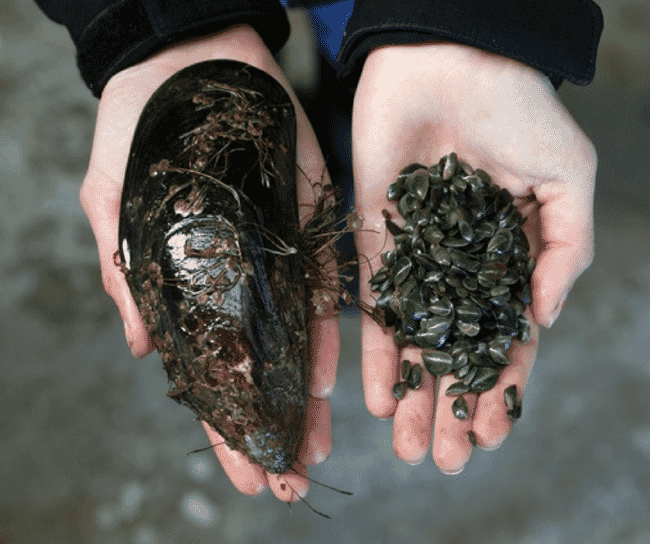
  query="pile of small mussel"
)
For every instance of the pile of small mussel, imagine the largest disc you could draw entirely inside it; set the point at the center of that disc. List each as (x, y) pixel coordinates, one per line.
(458, 281)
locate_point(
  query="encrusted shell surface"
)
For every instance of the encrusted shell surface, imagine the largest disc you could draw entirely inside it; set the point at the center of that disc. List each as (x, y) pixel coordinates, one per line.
(208, 220)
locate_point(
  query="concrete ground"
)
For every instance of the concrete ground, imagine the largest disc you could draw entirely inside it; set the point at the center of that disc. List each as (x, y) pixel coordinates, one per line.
(92, 451)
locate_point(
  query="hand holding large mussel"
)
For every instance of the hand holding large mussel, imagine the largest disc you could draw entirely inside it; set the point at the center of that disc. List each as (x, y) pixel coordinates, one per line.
(219, 176)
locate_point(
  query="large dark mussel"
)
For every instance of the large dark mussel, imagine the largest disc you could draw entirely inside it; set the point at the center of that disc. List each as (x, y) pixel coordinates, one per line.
(208, 231)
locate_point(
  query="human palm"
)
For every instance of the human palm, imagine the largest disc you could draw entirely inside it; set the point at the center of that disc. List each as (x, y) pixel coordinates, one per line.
(416, 104)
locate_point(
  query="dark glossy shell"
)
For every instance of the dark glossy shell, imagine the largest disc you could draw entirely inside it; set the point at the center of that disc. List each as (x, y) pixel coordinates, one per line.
(458, 281)
(209, 189)
(459, 408)
(415, 378)
(399, 390)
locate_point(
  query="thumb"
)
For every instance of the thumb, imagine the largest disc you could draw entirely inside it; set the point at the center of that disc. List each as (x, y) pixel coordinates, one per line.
(100, 198)
(566, 221)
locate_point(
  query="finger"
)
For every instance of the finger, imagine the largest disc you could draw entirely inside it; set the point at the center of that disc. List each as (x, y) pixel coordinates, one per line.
(491, 424)
(325, 349)
(291, 486)
(379, 357)
(377, 159)
(100, 197)
(324, 338)
(324, 331)
(101, 192)
(248, 478)
(413, 417)
(316, 443)
(379, 354)
(567, 234)
(310, 170)
(451, 445)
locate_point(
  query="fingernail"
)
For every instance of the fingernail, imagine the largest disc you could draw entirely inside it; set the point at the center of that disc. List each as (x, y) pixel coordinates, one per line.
(491, 448)
(556, 312)
(418, 461)
(324, 392)
(318, 457)
(452, 472)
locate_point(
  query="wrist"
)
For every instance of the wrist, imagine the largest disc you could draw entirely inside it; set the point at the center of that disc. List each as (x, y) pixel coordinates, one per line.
(445, 74)
(449, 60)
(238, 42)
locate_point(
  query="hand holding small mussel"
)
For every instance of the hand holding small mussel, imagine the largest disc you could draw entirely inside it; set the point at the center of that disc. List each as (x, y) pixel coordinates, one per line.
(457, 282)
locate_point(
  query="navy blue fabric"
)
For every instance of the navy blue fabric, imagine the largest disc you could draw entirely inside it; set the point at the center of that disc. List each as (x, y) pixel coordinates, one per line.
(329, 21)
(558, 37)
(111, 35)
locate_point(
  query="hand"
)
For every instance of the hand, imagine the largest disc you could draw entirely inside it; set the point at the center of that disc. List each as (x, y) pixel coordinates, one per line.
(122, 101)
(416, 103)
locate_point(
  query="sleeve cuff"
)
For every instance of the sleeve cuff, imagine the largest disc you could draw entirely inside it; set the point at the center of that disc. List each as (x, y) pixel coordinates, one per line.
(558, 37)
(127, 32)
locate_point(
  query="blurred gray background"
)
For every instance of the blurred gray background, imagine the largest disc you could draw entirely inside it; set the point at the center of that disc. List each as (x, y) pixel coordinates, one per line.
(92, 451)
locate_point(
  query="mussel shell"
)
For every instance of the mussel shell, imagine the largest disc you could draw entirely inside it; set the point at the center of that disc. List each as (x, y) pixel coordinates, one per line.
(227, 317)
(405, 370)
(460, 275)
(459, 408)
(437, 362)
(456, 388)
(415, 378)
(399, 390)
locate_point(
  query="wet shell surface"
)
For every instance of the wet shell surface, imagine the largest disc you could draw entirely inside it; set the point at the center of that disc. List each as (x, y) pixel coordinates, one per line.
(208, 231)
(457, 282)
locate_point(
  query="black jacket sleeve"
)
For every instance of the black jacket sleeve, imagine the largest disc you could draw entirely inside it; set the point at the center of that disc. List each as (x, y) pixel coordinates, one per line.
(111, 35)
(557, 37)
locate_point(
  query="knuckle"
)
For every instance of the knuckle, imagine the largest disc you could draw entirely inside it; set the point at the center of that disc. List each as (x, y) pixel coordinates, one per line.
(589, 156)
(109, 284)
(592, 154)
(591, 254)
(84, 196)
(586, 257)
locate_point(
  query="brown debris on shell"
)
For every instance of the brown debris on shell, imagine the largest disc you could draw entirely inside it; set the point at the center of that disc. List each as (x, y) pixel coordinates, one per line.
(213, 252)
